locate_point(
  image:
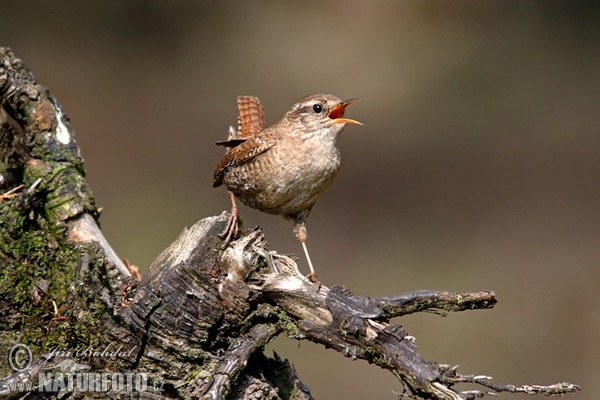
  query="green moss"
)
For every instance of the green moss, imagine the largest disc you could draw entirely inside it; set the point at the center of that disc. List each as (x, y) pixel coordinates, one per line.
(204, 372)
(33, 256)
(39, 267)
(288, 324)
(64, 186)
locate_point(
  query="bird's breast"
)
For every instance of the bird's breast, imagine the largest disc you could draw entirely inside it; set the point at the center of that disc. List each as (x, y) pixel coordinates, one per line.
(288, 178)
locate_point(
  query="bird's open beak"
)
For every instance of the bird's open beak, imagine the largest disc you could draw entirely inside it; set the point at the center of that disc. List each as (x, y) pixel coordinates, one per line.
(338, 112)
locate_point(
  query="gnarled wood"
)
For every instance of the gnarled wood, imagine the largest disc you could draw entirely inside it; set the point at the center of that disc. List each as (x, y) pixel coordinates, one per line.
(197, 323)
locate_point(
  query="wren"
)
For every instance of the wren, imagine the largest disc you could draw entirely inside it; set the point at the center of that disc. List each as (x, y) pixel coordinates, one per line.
(283, 169)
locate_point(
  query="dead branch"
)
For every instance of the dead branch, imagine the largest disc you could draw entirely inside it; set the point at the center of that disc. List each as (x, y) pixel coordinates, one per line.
(198, 321)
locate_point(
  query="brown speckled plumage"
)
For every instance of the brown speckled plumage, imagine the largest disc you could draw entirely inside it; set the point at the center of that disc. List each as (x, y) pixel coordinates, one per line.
(284, 169)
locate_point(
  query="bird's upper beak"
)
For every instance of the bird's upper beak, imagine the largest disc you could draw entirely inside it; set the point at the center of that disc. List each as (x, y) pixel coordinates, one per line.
(337, 113)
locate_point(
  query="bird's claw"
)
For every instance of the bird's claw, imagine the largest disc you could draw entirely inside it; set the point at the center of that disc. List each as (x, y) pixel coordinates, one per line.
(230, 230)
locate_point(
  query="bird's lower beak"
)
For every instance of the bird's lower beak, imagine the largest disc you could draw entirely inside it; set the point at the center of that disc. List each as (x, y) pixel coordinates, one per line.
(338, 112)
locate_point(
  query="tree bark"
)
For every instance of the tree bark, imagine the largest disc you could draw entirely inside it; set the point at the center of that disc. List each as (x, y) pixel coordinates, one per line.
(195, 326)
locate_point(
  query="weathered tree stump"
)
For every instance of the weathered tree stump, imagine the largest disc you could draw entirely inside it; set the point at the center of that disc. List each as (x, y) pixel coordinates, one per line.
(195, 326)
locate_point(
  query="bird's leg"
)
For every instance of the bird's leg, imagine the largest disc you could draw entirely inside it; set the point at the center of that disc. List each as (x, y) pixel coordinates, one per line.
(312, 276)
(301, 235)
(232, 224)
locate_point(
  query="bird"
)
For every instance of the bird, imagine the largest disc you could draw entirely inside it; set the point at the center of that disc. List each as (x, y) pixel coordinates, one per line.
(282, 169)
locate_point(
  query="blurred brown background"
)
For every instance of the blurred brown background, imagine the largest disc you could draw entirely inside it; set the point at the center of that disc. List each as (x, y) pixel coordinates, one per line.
(477, 167)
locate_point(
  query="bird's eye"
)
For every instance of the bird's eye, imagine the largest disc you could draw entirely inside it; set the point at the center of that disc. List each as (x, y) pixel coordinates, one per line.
(317, 108)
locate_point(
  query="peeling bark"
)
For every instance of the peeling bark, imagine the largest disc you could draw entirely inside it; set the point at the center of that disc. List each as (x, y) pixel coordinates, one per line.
(196, 325)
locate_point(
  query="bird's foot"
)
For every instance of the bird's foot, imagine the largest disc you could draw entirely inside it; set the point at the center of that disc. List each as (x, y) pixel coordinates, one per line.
(313, 278)
(232, 224)
(231, 228)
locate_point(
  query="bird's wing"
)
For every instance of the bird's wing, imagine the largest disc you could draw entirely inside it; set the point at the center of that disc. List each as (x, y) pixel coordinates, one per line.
(231, 142)
(242, 153)
(251, 121)
(251, 117)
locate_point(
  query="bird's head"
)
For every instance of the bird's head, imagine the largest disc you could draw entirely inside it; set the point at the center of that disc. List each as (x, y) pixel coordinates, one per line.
(319, 111)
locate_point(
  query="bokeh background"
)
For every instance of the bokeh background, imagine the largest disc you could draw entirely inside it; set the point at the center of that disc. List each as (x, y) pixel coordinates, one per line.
(477, 167)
